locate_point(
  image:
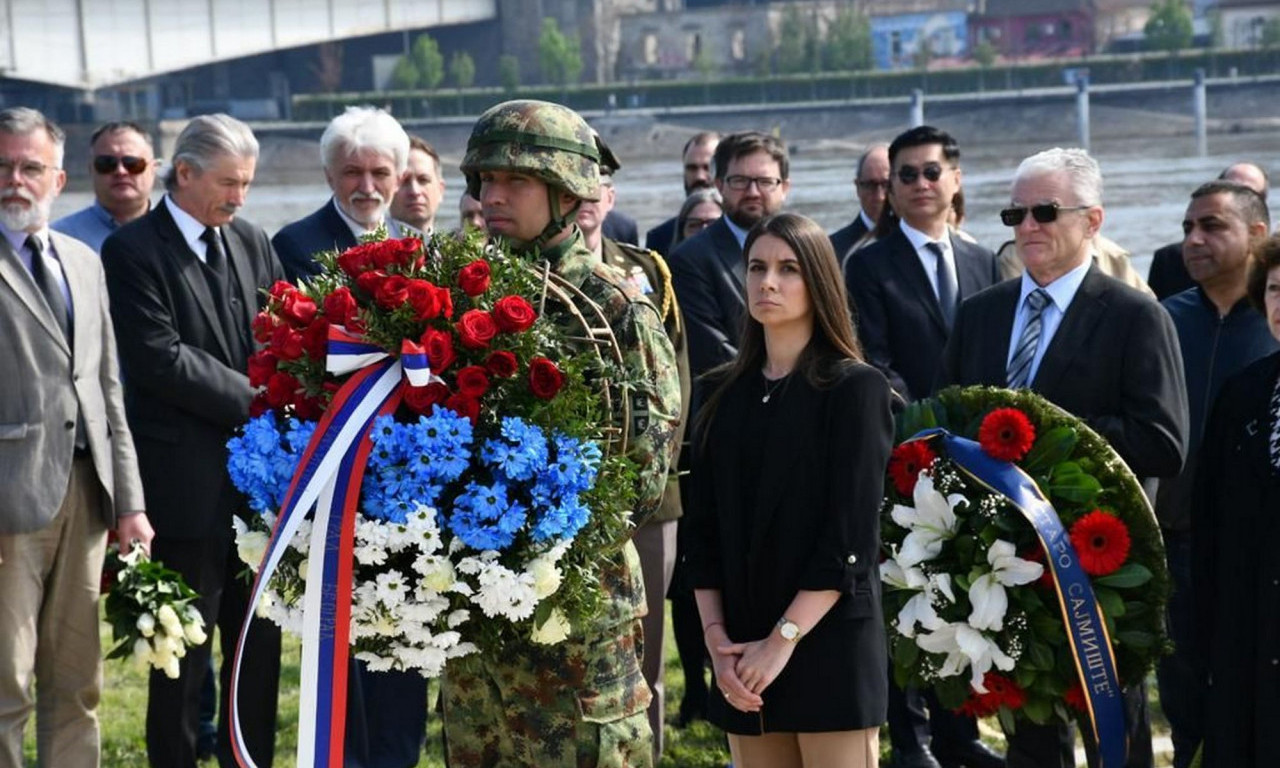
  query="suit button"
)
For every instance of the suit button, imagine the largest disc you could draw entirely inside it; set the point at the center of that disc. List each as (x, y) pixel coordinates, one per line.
(69, 424)
(852, 559)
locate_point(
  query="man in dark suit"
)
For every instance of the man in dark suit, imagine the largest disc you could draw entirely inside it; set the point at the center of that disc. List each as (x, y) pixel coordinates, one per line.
(1168, 275)
(186, 281)
(871, 183)
(904, 289)
(1088, 343)
(365, 153)
(620, 228)
(696, 156)
(67, 461)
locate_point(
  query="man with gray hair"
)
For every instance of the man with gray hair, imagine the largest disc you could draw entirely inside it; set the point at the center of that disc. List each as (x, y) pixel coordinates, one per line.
(365, 153)
(186, 281)
(67, 462)
(1091, 345)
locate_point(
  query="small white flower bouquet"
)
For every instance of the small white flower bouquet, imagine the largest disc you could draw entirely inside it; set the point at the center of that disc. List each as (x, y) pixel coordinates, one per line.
(152, 613)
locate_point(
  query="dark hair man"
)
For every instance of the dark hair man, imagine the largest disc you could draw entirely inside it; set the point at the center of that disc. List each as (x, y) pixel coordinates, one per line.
(696, 158)
(421, 188)
(123, 168)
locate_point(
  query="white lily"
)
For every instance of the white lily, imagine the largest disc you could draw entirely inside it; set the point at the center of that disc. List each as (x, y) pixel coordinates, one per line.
(964, 647)
(919, 609)
(930, 522)
(893, 574)
(987, 595)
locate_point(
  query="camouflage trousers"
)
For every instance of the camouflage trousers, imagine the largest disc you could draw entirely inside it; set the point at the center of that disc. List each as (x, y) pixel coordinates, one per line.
(578, 704)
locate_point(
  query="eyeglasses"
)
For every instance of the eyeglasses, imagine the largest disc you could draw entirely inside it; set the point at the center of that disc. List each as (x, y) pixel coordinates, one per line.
(742, 183)
(1045, 213)
(872, 185)
(695, 224)
(909, 174)
(31, 170)
(105, 164)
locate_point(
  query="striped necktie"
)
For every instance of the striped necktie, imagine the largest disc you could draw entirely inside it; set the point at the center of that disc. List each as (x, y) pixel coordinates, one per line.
(1019, 371)
(946, 275)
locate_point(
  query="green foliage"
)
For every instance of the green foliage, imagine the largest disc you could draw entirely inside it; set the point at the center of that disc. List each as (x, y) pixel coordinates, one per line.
(795, 37)
(462, 68)
(429, 61)
(984, 53)
(1169, 28)
(1270, 37)
(405, 76)
(509, 72)
(559, 55)
(848, 44)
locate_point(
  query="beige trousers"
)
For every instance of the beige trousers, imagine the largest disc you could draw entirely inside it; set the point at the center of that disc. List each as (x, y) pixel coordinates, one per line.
(49, 582)
(656, 543)
(830, 749)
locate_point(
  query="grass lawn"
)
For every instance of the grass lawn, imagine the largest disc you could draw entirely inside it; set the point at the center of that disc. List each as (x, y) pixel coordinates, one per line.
(124, 700)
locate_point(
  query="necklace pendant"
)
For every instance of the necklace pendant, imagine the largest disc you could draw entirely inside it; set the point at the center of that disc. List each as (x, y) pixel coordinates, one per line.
(765, 399)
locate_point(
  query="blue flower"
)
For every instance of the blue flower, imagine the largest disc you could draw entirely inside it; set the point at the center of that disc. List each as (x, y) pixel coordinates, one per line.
(561, 521)
(520, 453)
(574, 468)
(262, 459)
(484, 517)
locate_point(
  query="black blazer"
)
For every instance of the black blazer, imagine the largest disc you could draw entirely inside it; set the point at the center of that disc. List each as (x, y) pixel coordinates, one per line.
(185, 390)
(710, 282)
(810, 519)
(844, 238)
(1113, 362)
(898, 316)
(660, 237)
(322, 230)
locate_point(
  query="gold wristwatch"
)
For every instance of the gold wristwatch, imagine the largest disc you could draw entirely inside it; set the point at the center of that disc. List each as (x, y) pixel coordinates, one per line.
(789, 630)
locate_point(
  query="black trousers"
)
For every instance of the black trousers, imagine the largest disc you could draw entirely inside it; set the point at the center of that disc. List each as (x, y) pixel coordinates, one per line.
(1053, 746)
(911, 728)
(212, 568)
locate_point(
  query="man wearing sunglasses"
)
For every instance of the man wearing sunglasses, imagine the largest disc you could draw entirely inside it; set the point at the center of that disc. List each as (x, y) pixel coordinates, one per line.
(871, 183)
(123, 167)
(1091, 345)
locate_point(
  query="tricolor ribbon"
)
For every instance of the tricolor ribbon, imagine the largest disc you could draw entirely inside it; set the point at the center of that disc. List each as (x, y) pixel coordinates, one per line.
(1081, 613)
(329, 474)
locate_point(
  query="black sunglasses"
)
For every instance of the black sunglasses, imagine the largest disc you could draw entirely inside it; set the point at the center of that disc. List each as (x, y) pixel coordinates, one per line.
(105, 164)
(1045, 213)
(909, 174)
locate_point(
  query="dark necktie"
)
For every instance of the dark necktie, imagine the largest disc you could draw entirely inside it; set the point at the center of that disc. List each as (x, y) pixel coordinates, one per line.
(946, 283)
(48, 286)
(1019, 371)
(218, 276)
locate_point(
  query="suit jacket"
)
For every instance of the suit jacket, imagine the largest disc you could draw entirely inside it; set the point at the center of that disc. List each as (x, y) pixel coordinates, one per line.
(1168, 274)
(44, 384)
(788, 498)
(660, 237)
(1113, 362)
(843, 239)
(898, 316)
(710, 282)
(620, 228)
(297, 243)
(187, 390)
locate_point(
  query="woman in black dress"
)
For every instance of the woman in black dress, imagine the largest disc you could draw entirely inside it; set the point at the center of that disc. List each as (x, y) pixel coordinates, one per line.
(1235, 530)
(791, 452)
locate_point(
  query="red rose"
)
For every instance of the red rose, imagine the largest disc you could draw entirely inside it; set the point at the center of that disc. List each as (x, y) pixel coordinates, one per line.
(439, 346)
(286, 343)
(1006, 434)
(446, 302)
(261, 365)
(281, 388)
(473, 381)
(424, 298)
(464, 406)
(545, 379)
(280, 289)
(420, 399)
(298, 309)
(907, 462)
(357, 260)
(340, 305)
(309, 408)
(473, 279)
(1102, 542)
(371, 281)
(1001, 691)
(258, 405)
(1074, 697)
(394, 253)
(392, 292)
(315, 340)
(263, 326)
(513, 314)
(476, 328)
(502, 363)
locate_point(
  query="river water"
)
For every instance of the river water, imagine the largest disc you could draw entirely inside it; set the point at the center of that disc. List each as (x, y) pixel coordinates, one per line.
(1147, 186)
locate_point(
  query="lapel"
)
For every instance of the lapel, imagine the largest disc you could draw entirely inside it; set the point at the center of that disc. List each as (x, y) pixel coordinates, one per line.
(730, 255)
(786, 435)
(970, 277)
(336, 227)
(904, 260)
(18, 277)
(1074, 332)
(188, 265)
(241, 255)
(83, 292)
(994, 332)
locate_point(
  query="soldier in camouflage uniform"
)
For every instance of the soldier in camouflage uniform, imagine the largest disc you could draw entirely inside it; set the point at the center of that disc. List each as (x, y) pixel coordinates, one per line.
(656, 539)
(579, 703)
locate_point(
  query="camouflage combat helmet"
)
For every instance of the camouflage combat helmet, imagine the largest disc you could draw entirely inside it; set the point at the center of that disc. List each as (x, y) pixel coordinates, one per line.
(544, 140)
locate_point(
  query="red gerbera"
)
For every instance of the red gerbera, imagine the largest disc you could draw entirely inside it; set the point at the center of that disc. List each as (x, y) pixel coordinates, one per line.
(1006, 434)
(1075, 697)
(1001, 691)
(1102, 541)
(907, 462)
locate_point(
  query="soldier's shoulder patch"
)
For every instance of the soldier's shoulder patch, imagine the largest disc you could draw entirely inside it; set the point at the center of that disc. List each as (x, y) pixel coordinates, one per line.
(622, 279)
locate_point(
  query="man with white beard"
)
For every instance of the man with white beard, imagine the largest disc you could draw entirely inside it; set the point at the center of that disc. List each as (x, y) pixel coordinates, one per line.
(365, 153)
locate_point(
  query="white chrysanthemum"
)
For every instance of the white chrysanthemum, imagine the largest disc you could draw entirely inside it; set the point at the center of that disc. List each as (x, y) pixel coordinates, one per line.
(436, 573)
(391, 588)
(457, 618)
(502, 592)
(146, 625)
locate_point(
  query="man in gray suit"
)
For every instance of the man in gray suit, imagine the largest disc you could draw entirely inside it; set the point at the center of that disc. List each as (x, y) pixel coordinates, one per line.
(67, 463)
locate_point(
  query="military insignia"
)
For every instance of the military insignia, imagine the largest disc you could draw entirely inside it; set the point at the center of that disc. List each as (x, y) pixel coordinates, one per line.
(638, 280)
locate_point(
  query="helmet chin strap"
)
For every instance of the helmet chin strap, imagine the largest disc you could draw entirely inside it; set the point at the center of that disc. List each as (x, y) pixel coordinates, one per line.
(558, 220)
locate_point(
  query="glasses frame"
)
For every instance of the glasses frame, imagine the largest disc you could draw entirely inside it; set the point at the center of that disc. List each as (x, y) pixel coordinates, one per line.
(1044, 213)
(740, 183)
(932, 173)
(873, 185)
(133, 164)
(31, 170)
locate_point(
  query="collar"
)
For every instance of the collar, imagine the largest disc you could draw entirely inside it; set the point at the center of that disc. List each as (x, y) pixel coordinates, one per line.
(19, 239)
(919, 239)
(571, 259)
(1061, 291)
(188, 225)
(357, 229)
(104, 216)
(866, 221)
(739, 233)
